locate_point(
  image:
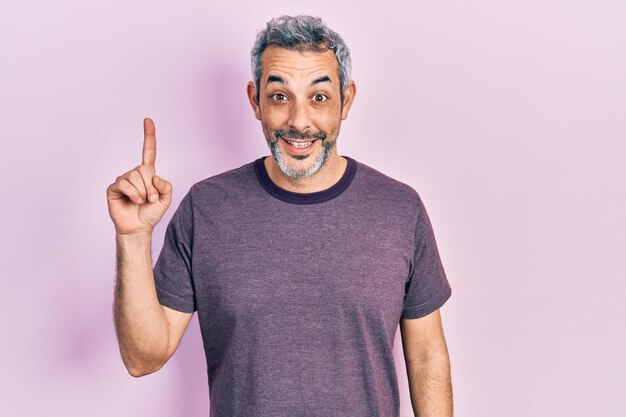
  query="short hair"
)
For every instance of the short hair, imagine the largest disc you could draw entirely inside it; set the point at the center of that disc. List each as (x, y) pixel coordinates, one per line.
(301, 33)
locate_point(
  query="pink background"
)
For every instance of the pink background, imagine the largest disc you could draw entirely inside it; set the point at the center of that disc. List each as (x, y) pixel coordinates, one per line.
(507, 117)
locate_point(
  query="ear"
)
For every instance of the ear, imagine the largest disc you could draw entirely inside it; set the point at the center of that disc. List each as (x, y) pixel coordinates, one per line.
(348, 98)
(251, 90)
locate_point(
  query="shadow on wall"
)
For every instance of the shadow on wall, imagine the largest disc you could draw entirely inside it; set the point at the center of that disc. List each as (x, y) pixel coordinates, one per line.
(234, 136)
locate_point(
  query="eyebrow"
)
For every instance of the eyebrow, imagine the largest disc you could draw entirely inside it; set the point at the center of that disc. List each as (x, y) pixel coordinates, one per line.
(279, 79)
(321, 80)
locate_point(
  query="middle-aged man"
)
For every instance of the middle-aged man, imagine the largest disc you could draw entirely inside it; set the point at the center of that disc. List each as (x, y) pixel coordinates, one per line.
(300, 264)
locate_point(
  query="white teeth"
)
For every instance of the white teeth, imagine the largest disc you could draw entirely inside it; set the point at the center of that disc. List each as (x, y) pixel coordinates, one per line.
(299, 144)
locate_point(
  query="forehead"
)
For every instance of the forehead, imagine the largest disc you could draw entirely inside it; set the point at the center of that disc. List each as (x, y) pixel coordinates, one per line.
(296, 64)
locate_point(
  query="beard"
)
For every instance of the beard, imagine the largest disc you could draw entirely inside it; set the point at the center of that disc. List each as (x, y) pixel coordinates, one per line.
(282, 159)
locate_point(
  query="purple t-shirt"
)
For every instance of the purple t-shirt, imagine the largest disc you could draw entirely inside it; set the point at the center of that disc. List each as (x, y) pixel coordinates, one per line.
(299, 296)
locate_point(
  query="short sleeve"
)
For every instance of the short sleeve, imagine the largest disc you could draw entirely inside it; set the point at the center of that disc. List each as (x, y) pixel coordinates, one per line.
(172, 271)
(427, 287)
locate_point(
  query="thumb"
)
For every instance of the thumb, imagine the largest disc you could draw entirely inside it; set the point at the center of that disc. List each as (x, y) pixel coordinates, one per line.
(164, 188)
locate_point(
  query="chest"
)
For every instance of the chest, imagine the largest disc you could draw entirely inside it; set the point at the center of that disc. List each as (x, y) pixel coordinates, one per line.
(254, 265)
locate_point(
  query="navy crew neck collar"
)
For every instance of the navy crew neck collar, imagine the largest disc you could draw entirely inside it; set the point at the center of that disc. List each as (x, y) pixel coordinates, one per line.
(305, 198)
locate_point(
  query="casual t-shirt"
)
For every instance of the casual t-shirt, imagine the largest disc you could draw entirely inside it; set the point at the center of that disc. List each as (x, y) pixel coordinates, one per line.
(299, 296)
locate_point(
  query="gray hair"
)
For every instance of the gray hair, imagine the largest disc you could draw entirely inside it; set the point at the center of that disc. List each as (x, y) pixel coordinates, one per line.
(301, 33)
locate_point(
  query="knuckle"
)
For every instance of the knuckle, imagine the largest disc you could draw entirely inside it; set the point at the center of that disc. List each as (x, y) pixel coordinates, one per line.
(128, 188)
(132, 193)
(134, 175)
(124, 186)
(144, 169)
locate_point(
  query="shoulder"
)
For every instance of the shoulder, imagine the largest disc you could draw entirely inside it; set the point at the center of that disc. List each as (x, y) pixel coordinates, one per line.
(395, 192)
(223, 184)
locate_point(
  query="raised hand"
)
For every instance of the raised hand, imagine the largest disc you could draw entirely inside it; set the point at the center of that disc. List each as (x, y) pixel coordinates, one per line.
(138, 199)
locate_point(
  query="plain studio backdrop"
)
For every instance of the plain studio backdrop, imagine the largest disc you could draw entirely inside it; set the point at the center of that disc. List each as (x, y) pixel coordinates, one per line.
(508, 117)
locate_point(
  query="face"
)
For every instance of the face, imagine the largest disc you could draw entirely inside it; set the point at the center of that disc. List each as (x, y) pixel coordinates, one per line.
(300, 108)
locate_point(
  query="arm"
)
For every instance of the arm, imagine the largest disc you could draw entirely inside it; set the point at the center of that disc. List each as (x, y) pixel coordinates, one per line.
(428, 365)
(148, 333)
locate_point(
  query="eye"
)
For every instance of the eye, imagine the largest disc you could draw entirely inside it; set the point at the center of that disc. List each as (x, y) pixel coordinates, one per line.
(320, 98)
(279, 97)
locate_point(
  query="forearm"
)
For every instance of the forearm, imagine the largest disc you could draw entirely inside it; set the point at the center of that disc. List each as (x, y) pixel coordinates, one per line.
(431, 387)
(140, 322)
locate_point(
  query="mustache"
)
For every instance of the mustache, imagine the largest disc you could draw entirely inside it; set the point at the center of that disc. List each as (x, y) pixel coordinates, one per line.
(294, 134)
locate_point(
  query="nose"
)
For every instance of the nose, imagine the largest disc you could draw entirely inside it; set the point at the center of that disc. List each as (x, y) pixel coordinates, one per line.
(299, 116)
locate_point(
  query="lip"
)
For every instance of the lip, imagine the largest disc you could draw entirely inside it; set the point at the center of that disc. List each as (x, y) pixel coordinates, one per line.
(295, 150)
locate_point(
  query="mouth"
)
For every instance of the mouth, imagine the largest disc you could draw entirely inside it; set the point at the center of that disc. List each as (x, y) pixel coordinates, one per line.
(299, 146)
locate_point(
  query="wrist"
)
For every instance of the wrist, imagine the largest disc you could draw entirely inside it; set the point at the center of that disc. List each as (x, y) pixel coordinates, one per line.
(137, 238)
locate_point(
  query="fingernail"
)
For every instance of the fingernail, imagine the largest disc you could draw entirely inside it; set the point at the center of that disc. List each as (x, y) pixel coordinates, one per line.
(153, 197)
(140, 201)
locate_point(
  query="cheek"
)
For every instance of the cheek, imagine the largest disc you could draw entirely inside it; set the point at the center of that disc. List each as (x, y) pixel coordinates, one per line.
(275, 118)
(327, 122)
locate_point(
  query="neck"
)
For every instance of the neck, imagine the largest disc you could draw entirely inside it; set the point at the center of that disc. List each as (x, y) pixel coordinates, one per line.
(325, 178)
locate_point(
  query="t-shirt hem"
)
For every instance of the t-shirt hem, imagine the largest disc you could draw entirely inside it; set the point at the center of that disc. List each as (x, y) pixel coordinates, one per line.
(174, 302)
(428, 307)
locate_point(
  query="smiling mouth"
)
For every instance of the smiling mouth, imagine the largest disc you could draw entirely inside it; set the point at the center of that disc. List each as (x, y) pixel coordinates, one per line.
(299, 143)
(299, 146)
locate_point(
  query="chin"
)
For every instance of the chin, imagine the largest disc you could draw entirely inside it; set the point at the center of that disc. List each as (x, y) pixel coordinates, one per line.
(306, 165)
(300, 166)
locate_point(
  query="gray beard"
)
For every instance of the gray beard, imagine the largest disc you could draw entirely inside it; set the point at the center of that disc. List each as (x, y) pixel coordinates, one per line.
(327, 147)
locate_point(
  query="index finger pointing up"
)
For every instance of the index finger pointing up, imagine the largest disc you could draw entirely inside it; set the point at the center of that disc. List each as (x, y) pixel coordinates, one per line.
(149, 143)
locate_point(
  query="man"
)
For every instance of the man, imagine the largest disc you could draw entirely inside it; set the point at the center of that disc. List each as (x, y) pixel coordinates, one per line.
(300, 265)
